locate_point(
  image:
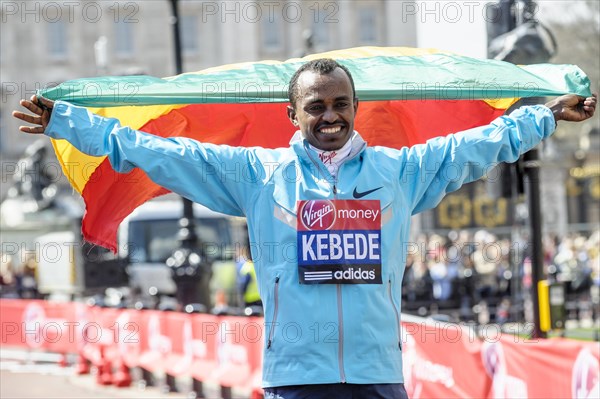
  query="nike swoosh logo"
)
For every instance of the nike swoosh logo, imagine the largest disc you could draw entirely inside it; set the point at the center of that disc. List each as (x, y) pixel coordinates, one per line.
(358, 195)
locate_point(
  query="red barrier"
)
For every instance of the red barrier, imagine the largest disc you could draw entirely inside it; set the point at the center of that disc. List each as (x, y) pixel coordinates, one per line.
(81, 315)
(11, 318)
(155, 345)
(205, 330)
(440, 360)
(39, 325)
(239, 338)
(131, 337)
(91, 333)
(110, 333)
(179, 330)
(509, 363)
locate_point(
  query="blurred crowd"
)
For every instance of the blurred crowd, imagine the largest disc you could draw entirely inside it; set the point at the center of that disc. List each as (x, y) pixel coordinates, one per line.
(485, 277)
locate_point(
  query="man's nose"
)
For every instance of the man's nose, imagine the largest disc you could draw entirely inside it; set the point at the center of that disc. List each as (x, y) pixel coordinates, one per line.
(329, 115)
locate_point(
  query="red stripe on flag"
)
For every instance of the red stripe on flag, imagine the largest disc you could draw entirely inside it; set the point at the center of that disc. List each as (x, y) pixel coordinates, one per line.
(111, 196)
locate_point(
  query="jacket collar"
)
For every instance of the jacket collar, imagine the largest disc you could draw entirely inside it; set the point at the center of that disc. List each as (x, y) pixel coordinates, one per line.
(301, 147)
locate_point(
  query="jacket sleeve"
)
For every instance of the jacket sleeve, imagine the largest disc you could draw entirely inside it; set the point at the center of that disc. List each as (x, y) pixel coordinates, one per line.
(444, 164)
(220, 177)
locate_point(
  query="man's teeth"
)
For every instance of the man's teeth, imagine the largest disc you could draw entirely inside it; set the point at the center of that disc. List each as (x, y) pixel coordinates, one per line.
(331, 130)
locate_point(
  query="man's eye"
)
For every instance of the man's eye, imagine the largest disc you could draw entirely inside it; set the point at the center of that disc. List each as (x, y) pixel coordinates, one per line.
(343, 105)
(315, 108)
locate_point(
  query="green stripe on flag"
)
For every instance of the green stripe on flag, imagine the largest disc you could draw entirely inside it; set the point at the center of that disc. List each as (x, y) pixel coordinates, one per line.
(426, 77)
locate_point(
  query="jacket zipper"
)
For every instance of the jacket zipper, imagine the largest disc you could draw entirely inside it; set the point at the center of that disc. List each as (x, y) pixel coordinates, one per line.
(340, 307)
(340, 310)
(396, 312)
(341, 335)
(339, 287)
(272, 328)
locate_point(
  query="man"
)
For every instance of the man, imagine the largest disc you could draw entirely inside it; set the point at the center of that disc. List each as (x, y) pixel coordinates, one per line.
(327, 217)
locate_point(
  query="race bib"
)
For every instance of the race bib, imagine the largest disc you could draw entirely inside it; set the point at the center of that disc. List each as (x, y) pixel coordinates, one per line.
(339, 242)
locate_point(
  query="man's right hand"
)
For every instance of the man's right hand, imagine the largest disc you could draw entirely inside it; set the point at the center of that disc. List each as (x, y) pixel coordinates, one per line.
(573, 108)
(41, 116)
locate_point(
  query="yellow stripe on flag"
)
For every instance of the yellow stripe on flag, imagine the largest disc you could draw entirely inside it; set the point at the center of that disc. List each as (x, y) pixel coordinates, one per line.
(501, 103)
(346, 54)
(77, 166)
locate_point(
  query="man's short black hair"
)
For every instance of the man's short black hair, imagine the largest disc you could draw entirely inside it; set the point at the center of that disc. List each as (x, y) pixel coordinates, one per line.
(322, 66)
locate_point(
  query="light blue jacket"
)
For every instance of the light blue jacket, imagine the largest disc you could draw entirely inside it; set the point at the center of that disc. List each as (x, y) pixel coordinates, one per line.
(314, 333)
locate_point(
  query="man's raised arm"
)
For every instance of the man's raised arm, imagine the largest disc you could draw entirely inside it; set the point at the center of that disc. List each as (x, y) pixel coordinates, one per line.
(198, 171)
(471, 153)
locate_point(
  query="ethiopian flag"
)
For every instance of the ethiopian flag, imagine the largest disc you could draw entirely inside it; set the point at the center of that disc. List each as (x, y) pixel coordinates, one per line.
(407, 96)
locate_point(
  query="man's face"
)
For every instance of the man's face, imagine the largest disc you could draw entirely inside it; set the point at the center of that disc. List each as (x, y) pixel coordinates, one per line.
(325, 109)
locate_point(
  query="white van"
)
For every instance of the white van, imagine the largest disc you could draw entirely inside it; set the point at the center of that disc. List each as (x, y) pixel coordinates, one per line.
(149, 236)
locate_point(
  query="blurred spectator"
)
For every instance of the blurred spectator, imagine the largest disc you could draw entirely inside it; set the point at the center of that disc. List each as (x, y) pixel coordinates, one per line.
(25, 278)
(243, 254)
(594, 250)
(486, 265)
(595, 264)
(6, 271)
(504, 272)
(572, 264)
(503, 311)
(221, 307)
(249, 285)
(417, 284)
(467, 286)
(7, 277)
(443, 273)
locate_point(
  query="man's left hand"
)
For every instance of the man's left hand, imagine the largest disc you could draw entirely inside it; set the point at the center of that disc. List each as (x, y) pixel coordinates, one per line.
(573, 108)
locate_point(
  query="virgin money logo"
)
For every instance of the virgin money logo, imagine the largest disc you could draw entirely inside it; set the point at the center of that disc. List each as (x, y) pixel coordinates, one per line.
(318, 214)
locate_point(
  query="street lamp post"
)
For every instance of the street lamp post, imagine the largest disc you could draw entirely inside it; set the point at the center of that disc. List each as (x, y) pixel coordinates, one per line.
(524, 47)
(189, 267)
(176, 36)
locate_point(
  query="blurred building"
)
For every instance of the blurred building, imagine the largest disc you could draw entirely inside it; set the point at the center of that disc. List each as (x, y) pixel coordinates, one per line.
(45, 43)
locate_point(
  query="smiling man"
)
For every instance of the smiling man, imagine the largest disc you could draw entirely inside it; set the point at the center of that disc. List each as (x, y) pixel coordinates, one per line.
(327, 218)
(323, 104)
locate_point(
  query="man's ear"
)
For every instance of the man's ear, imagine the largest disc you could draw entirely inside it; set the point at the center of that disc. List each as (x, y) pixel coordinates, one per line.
(292, 115)
(355, 105)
